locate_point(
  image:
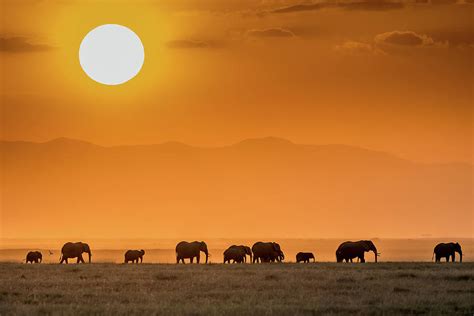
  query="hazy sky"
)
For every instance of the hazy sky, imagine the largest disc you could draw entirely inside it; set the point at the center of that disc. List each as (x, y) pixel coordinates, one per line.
(391, 76)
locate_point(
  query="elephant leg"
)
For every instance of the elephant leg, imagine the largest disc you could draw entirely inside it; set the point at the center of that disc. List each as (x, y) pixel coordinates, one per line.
(454, 258)
(66, 261)
(198, 259)
(191, 259)
(80, 259)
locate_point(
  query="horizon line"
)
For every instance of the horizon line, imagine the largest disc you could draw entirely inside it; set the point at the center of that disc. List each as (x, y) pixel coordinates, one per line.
(282, 140)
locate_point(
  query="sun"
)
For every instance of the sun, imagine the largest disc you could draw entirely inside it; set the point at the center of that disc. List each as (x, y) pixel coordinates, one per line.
(111, 54)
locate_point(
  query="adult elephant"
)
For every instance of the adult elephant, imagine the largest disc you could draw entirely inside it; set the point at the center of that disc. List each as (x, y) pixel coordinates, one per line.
(134, 256)
(447, 250)
(355, 249)
(305, 257)
(237, 254)
(34, 256)
(75, 250)
(267, 252)
(191, 250)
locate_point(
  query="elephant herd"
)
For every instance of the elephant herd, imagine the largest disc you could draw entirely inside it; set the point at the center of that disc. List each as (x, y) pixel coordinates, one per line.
(259, 253)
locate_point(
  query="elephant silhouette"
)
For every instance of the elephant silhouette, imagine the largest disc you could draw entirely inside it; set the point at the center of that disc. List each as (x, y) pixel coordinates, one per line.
(75, 250)
(305, 257)
(267, 252)
(134, 256)
(447, 250)
(355, 249)
(191, 250)
(34, 257)
(237, 254)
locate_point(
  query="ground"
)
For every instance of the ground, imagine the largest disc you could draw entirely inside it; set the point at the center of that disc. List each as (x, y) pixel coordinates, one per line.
(279, 289)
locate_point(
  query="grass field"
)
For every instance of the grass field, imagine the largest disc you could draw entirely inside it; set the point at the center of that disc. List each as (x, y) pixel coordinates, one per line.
(281, 289)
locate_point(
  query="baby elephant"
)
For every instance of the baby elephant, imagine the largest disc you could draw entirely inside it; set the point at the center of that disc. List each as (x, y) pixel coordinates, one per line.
(134, 255)
(34, 256)
(304, 257)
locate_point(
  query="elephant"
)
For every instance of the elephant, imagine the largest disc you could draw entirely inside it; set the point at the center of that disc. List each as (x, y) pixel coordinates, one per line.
(305, 257)
(191, 250)
(134, 255)
(267, 252)
(237, 254)
(351, 249)
(447, 250)
(34, 256)
(75, 250)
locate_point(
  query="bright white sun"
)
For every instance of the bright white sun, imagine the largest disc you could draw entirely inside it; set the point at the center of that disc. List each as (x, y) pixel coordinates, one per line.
(111, 54)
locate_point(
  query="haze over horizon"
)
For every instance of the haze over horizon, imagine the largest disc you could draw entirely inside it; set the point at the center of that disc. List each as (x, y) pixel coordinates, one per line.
(369, 105)
(171, 190)
(256, 139)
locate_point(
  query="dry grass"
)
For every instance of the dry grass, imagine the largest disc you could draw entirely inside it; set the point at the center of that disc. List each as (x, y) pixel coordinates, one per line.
(281, 289)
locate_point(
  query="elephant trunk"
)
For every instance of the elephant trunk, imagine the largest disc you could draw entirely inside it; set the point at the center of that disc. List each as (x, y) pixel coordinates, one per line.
(207, 255)
(90, 255)
(460, 256)
(376, 255)
(250, 257)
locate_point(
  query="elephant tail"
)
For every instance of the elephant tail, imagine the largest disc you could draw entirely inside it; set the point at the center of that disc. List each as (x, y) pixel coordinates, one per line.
(432, 257)
(61, 257)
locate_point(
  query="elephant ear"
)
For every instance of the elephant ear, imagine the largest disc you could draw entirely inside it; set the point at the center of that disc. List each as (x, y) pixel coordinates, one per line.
(275, 246)
(366, 245)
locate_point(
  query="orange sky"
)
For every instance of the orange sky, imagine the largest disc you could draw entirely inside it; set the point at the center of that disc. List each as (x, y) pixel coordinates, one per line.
(215, 74)
(388, 76)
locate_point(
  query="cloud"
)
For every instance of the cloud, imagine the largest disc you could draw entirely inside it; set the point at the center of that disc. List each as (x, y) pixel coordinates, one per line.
(271, 32)
(358, 48)
(371, 5)
(457, 37)
(390, 42)
(187, 44)
(21, 45)
(301, 7)
(403, 38)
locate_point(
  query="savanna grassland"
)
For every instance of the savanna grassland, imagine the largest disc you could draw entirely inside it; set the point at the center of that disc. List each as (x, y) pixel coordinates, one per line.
(281, 289)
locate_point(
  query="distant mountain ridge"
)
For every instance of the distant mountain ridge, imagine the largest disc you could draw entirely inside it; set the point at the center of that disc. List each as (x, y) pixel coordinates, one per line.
(263, 142)
(173, 189)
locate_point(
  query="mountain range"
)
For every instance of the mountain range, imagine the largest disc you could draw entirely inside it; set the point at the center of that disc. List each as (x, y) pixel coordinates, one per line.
(267, 187)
